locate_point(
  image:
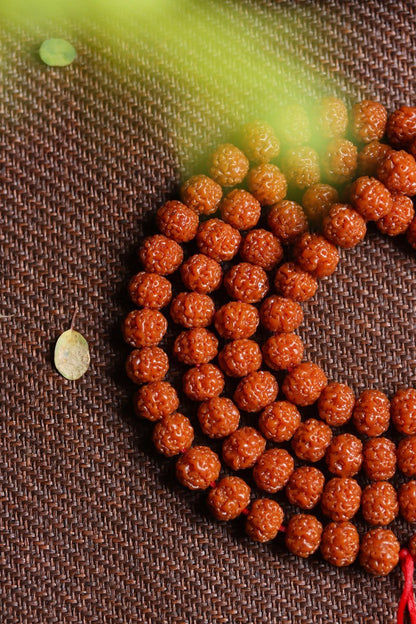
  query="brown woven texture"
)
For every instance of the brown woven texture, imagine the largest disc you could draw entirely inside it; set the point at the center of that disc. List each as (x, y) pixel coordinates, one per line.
(93, 526)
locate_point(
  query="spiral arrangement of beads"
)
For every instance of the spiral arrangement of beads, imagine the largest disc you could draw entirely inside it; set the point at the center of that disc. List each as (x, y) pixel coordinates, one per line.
(227, 249)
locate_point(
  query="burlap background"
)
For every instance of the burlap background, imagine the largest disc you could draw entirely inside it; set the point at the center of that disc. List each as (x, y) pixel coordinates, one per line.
(93, 527)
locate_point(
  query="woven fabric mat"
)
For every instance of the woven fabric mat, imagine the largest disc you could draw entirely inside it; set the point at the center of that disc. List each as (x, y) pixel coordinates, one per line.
(93, 526)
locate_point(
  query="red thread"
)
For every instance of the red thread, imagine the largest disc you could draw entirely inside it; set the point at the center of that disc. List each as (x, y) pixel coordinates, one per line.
(407, 598)
(213, 484)
(282, 528)
(245, 511)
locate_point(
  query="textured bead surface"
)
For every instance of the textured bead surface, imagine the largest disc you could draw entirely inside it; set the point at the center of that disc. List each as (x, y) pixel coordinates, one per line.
(150, 290)
(379, 551)
(370, 198)
(283, 351)
(147, 364)
(367, 121)
(192, 310)
(161, 255)
(330, 117)
(301, 166)
(401, 126)
(264, 520)
(279, 421)
(240, 209)
(228, 498)
(316, 202)
(198, 468)
(371, 415)
(370, 156)
(315, 254)
(155, 400)
(246, 282)
(403, 411)
(195, 346)
(336, 404)
(344, 226)
(273, 469)
(236, 319)
(203, 382)
(262, 248)
(260, 143)
(279, 314)
(339, 161)
(303, 535)
(173, 434)
(202, 194)
(240, 357)
(341, 498)
(201, 274)
(242, 448)
(340, 543)
(228, 165)
(397, 171)
(344, 455)
(177, 221)
(293, 282)
(287, 220)
(144, 328)
(400, 216)
(218, 240)
(255, 391)
(304, 384)
(267, 183)
(407, 501)
(379, 504)
(305, 487)
(218, 417)
(311, 439)
(379, 458)
(406, 456)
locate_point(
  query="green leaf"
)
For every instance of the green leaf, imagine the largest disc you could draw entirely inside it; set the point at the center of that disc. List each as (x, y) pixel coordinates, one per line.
(72, 354)
(57, 52)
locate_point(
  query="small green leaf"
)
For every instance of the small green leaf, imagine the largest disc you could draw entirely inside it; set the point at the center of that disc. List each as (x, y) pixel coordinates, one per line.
(72, 354)
(57, 52)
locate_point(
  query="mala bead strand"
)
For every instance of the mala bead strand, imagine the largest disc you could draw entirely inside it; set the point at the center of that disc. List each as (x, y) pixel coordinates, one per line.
(381, 193)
